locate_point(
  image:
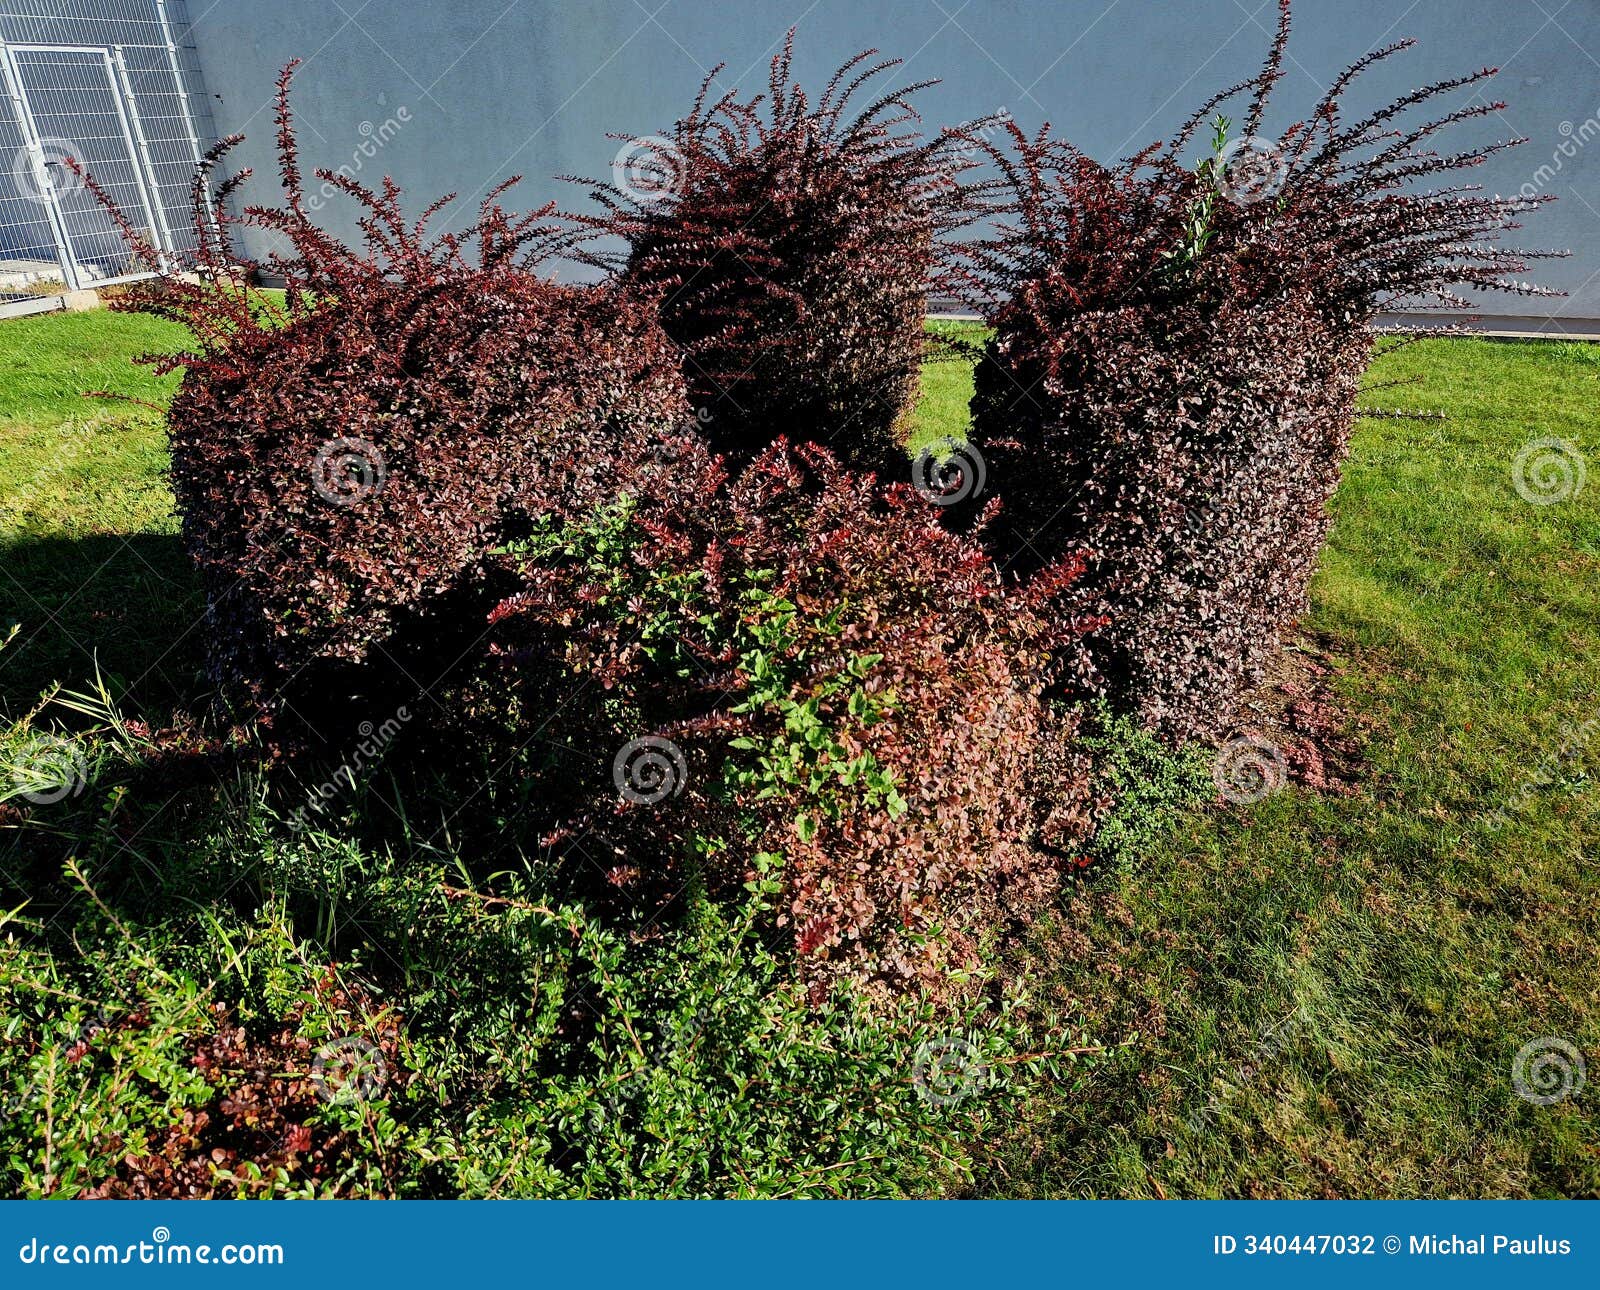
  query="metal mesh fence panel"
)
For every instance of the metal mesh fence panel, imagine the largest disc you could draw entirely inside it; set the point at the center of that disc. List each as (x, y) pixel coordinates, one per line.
(114, 84)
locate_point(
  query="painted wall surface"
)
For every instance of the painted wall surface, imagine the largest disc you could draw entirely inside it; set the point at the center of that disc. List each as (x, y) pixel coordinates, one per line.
(455, 95)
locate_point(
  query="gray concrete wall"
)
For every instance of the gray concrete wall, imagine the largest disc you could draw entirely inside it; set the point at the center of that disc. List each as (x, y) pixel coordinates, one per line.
(457, 94)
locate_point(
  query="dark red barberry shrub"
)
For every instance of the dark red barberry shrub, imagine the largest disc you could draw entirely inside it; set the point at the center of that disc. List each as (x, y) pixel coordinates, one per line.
(792, 247)
(814, 685)
(344, 461)
(1177, 352)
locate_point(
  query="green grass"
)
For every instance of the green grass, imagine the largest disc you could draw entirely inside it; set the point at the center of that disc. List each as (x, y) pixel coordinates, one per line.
(1313, 996)
(1325, 996)
(89, 561)
(946, 386)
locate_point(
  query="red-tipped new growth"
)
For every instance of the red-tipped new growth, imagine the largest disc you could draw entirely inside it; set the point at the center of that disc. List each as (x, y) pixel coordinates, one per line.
(856, 696)
(346, 454)
(793, 248)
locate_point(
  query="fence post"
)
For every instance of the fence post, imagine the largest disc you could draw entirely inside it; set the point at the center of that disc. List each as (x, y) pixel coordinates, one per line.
(182, 88)
(41, 175)
(145, 169)
(177, 80)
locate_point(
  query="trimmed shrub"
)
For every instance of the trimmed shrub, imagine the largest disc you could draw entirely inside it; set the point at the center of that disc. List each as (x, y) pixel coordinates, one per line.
(1177, 352)
(343, 461)
(792, 247)
(814, 690)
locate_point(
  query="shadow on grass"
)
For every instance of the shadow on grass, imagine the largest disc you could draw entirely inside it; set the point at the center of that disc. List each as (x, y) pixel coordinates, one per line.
(131, 604)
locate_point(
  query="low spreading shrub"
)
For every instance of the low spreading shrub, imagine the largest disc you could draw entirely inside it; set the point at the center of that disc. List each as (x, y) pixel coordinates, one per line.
(709, 1072)
(1175, 360)
(792, 247)
(125, 1077)
(343, 460)
(814, 690)
(1140, 788)
(210, 1051)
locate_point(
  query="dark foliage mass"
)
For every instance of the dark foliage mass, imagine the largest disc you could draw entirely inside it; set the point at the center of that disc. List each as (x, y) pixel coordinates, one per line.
(739, 768)
(344, 461)
(793, 246)
(840, 703)
(1177, 351)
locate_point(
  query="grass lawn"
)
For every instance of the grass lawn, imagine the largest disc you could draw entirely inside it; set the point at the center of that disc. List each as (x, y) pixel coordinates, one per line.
(89, 559)
(1311, 996)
